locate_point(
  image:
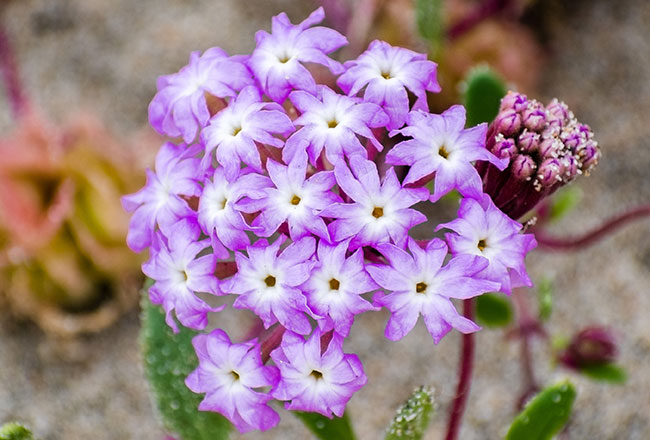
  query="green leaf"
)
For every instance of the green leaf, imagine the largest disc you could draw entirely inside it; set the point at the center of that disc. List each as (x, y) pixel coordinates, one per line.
(482, 93)
(338, 428)
(545, 298)
(15, 431)
(429, 18)
(545, 415)
(493, 310)
(168, 359)
(611, 373)
(413, 417)
(565, 201)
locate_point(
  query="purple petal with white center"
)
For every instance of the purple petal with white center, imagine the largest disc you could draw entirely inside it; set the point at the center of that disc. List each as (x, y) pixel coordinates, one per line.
(179, 108)
(481, 229)
(276, 61)
(388, 72)
(267, 282)
(160, 202)
(229, 375)
(313, 382)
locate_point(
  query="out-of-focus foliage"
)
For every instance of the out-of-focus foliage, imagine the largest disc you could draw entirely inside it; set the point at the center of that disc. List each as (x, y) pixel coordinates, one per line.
(62, 228)
(15, 431)
(482, 92)
(545, 415)
(338, 428)
(493, 310)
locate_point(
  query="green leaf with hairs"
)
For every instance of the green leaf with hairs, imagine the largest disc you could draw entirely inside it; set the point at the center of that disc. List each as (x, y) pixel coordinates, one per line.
(15, 431)
(610, 373)
(482, 92)
(412, 418)
(545, 415)
(493, 310)
(430, 22)
(168, 359)
(338, 428)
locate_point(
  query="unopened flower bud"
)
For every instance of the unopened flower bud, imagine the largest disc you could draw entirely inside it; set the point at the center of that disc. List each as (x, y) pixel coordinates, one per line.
(504, 148)
(523, 167)
(589, 155)
(592, 346)
(572, 140)
(508, 122)
(514, 101)
(550, 172)
(548, 148)
(557, 111)
(571, 167)
(534, 118)
(528, 141)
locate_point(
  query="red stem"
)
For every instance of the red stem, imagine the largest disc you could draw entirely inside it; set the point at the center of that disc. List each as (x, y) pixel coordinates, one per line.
(10, 77)
(528, 327)
(568, 244)
(465, 376)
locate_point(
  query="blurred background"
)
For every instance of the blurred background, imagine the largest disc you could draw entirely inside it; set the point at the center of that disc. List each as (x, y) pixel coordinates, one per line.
(78, 76)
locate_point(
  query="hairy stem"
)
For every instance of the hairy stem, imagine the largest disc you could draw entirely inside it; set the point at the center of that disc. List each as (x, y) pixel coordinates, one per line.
(466, 367)
(9, 71)
(589, 238)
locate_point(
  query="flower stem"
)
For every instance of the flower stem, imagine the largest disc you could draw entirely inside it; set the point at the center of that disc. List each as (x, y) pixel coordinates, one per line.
(577, 243)
(9, 71)
(528, 327)
(465, 376)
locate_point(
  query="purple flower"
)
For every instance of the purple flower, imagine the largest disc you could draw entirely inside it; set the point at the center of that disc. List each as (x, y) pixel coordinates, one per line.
(440, 145)
(388, 72)
(179, 274)
(380, 212)
(332, 122)
(229, 374)
(160, 201)
(267, 282)
(218, 213)
(179, 108)
(234, 130)
(294, 200)
(421, 285)
(276, 61)
(335, 286)
(482, 229)
(315, 382)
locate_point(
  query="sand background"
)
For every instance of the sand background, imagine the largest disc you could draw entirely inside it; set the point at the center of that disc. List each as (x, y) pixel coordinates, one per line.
(105, 55)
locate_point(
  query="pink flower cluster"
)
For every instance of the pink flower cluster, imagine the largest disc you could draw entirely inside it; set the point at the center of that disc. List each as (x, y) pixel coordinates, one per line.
(280, 176)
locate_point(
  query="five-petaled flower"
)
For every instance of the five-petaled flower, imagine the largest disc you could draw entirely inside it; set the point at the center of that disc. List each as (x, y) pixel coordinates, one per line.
(232, 377)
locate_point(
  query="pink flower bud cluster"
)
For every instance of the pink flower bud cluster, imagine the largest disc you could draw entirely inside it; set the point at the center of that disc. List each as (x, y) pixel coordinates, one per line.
(546, 147)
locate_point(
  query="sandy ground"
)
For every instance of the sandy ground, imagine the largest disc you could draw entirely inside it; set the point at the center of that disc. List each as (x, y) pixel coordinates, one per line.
(107, 54)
